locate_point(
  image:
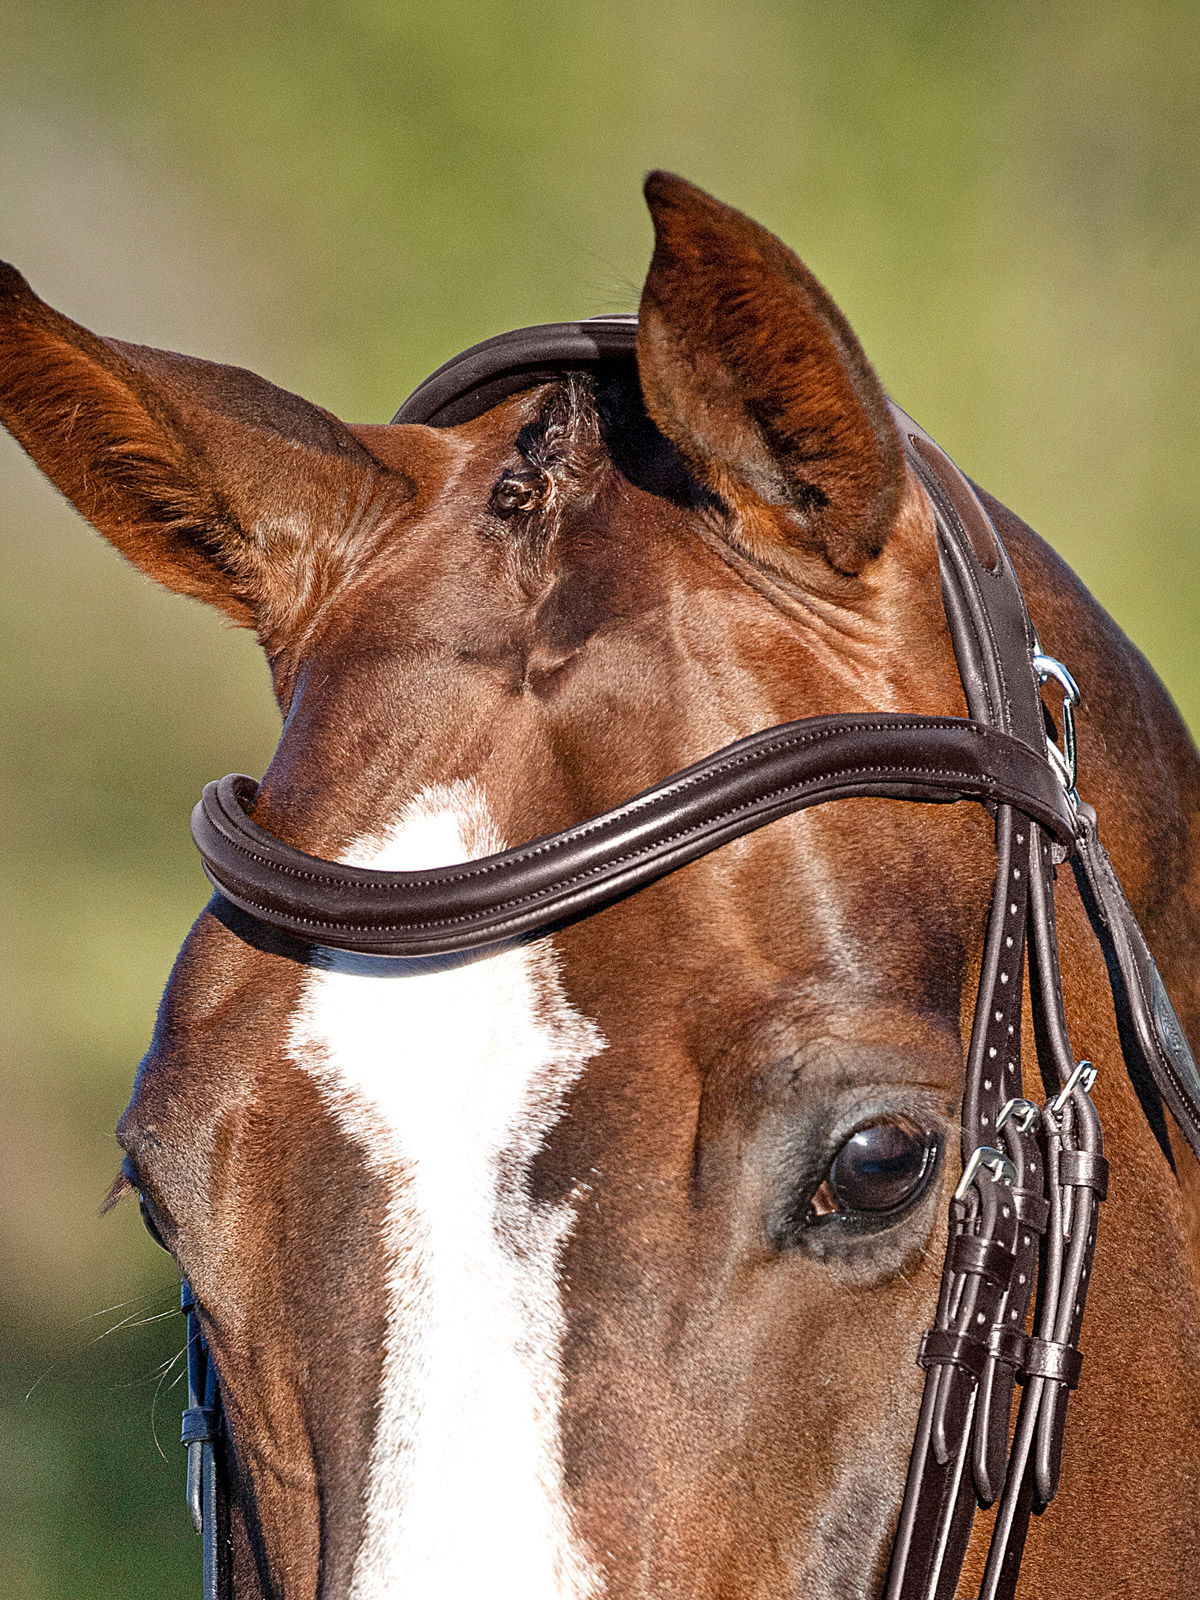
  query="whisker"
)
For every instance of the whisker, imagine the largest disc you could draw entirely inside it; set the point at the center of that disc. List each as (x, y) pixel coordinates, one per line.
(133, 1320)
(159, 1316)
(136, 1300)
(147, 1377)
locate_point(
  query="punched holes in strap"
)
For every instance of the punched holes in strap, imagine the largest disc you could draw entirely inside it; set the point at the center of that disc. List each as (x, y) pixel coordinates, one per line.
(1047, 1358)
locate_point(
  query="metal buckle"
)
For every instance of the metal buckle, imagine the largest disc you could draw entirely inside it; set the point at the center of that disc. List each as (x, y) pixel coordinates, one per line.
(1083, 1077)
(996, 1162)
(1064, 759)
(1023, 1112)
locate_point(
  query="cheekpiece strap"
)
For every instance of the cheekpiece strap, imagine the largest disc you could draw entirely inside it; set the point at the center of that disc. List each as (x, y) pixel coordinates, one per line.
(1015, 1238)
(203, 1427)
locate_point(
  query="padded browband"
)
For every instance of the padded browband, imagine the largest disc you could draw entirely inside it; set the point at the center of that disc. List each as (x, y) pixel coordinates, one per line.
(730, 793)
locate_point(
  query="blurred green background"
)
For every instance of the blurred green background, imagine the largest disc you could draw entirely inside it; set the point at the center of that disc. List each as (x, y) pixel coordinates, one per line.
(1004, 199)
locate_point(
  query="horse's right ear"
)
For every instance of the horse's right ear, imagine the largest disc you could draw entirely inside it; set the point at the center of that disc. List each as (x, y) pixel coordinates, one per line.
(211, 480)
(755, 375)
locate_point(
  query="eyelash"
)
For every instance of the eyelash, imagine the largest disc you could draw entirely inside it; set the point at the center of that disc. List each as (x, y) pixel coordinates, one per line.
(134, 1181)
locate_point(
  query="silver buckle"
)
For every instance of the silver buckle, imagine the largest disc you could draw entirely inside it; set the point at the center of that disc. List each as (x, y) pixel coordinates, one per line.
(996, 1162)
(1064, 759)
(1083, 1077)
(1022, 1112)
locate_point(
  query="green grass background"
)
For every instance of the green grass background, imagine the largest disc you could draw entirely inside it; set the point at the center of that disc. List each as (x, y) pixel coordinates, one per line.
(1004, 199)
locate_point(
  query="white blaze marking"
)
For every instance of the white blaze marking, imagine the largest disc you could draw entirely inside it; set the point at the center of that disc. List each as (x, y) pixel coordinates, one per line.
(449, 1075)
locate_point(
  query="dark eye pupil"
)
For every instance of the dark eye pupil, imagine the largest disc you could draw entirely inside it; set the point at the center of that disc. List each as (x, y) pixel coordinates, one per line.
(881, 1166)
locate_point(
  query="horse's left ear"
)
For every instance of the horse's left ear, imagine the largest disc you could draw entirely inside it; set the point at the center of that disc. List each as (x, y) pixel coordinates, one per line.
(755, 375)
(209, 479)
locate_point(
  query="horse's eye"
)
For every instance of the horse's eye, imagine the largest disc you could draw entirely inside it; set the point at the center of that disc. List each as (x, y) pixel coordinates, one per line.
(150, 1225)
(882, 1167)
(135, 1183)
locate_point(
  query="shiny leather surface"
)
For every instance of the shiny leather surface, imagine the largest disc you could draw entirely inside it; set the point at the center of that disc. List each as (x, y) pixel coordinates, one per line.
(567, 874)
(473, 381)
(1156, 1031)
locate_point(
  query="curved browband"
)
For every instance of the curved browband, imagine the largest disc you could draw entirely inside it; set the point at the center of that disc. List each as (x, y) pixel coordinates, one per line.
(477, 379)
(568, 874)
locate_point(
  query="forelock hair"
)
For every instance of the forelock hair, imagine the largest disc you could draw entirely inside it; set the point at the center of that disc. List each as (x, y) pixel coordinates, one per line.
(561, 457)
(586, 429)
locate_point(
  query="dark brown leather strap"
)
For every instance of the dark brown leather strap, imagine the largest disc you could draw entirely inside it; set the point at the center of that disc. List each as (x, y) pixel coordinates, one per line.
(202, 1434)
(473, 381)
(960, 1451)
(1154, 1030)
(1041, 1206)
(1070, 1150)
(568, 874)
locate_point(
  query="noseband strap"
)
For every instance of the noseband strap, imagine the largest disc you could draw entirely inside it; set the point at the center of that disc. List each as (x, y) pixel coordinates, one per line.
(1022, 1227)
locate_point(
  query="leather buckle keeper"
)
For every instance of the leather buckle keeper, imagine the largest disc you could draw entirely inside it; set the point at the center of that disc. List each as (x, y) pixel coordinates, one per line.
(1009, 1345)
(1080, 1169)
(1033, 1210)
(1046, 1358)
(199, 1425)
(988, 1258)
(941, 1347)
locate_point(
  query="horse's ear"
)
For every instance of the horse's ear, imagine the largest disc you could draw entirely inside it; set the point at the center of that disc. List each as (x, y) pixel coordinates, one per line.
(211, 480)
(754, 374)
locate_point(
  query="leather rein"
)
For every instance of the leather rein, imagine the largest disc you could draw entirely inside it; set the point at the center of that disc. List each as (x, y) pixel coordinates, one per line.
(1023, 1217)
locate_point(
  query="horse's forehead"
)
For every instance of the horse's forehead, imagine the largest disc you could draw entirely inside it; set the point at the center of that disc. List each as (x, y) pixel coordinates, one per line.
(818, 929)
(454, 742)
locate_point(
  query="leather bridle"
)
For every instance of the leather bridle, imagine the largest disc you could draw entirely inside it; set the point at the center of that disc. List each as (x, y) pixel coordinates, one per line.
(1023, 1217)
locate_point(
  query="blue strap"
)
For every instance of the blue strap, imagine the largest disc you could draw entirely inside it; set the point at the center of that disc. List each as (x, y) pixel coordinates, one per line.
(199, 1425)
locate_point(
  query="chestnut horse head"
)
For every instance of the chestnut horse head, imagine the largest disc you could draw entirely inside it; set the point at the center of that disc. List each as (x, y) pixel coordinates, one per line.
(594, 1267)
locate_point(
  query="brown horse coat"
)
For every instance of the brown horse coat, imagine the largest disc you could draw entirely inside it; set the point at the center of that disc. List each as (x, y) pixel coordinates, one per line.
(512, 1268)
